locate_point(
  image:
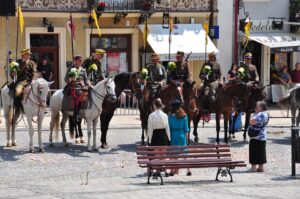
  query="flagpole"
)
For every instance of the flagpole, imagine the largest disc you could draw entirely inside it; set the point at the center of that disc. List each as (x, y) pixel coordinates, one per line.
(169, 34)
(17, 39)
(145, 44)
(72, 36)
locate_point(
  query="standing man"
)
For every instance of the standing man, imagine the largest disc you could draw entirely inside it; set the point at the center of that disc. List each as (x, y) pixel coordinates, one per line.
(45, 69)
(93, 66)
(250, 69)
(181, 73)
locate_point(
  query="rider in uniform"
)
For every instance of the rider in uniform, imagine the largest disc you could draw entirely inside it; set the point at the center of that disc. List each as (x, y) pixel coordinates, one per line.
(94, 60)
(22, 77)
(181, 73)
(250, 69)
(157, 76)
(212, 77)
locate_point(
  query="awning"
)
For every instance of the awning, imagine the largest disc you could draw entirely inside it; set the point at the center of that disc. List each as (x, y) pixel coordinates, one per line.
(185, 37)
(277, 40)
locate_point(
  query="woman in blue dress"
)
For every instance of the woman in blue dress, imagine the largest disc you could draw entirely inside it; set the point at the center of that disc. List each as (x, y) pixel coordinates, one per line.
(178, 123)
(257, 145)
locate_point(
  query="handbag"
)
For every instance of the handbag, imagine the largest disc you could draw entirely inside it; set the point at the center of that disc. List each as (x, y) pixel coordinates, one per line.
(254, 132)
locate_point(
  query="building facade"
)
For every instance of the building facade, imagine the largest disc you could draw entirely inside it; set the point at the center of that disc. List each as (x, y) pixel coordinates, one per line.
(119, 21)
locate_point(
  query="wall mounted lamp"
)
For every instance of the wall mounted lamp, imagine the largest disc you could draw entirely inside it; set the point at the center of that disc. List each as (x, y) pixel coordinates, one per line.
(119, 17)
(49, 25)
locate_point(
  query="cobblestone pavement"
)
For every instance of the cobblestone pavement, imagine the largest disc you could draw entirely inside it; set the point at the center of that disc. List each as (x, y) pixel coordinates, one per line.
(113, 173)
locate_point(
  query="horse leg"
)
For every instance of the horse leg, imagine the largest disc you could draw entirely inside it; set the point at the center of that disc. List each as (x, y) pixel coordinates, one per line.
(196, 120)
(40, 120)
(235, 116)
(29, 121)
(89, 132)
(247, 120)
(54, 118)
(218, 126)
(80, 130)
(8, 122)
(298, 118)
(226, 118)
(13, 128)
(62, 126)
(293, 111)
(95, 122)
(104, 119)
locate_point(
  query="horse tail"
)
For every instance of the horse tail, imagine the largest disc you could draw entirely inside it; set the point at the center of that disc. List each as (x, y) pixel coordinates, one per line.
(56, 118)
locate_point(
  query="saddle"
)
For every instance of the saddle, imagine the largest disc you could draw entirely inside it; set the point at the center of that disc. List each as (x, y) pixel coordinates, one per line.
(70, 103)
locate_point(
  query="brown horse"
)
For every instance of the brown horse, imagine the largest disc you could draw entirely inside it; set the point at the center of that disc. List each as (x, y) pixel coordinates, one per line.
(226, 95)
(257, 94)
(123, 81)
(168, 93)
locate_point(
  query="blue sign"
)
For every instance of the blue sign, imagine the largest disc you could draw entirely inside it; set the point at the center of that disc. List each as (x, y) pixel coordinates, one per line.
(214, 32)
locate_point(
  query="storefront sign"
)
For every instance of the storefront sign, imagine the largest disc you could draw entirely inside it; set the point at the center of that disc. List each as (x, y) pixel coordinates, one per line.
(263, 26)
(290, 49)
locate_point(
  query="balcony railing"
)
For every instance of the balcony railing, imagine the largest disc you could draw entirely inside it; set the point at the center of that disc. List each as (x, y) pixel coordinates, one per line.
(116, 5)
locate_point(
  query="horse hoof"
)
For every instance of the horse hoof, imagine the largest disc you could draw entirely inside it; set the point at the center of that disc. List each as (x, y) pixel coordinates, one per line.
(8, 145)
(77, 141)
(14, 144)
(82, 141)
(51, 145)
(104, 146)
(143, 143)
(196, 139)
(41, 150)
(96, 149)
(233, 136)
(31, 150)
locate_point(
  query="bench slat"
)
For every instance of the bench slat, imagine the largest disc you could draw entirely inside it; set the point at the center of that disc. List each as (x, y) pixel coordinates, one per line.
(183, 156)
(199, 166)
(139, 147)
(182, 151)
(155, 162)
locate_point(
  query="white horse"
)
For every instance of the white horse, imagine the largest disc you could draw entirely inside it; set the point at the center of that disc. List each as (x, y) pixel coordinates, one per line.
(34, 104)
(91, 114)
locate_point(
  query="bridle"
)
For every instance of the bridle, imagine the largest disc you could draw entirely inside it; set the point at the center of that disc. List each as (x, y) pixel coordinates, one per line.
(102, 97)
(36, 100)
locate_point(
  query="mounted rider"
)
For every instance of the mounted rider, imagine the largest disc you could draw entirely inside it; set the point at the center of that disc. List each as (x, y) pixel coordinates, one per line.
(93, 66)
(250, 71)
(22, 72)
(180, 72)
(212, 77)
(157, 76)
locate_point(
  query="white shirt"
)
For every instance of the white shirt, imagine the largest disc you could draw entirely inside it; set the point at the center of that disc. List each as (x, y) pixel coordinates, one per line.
(158, 120)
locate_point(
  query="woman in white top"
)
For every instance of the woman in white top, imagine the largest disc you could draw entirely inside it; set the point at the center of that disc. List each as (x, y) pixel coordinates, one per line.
(158, 126)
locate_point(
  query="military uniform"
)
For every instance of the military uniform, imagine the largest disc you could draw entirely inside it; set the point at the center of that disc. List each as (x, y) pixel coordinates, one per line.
(181, 73)
(157, 74)
(25, 75)
(250, 73)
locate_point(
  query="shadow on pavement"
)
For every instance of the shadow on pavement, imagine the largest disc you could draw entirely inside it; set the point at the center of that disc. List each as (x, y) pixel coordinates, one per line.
(71, 150)
(282, 141)
(10, 154)
(285, 178)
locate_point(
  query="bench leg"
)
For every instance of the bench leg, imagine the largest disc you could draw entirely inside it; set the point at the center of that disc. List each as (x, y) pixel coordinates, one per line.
(224, 173)
(155, 176)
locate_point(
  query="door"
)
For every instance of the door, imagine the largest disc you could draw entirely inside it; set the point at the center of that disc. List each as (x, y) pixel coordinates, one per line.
(46, 45)
(118, 52)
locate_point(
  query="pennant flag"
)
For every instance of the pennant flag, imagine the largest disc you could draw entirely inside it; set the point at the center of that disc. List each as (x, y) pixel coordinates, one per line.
(206, 28)
(94, 16)
(71, 29)
(247, 31)
(146, 33)
(21, 19)
(171, 26)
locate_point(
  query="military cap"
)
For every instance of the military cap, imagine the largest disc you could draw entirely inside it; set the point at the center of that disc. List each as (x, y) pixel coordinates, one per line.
(25, 51)
(76, 57)
(248, 55)
(100, 51)
(211, 54)
(180, 53)
(155, 56)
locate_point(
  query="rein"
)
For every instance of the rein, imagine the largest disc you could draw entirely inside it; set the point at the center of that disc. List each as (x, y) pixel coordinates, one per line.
(99, 96)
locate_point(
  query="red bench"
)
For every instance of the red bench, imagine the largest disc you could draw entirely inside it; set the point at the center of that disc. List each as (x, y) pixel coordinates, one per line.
(158, 159)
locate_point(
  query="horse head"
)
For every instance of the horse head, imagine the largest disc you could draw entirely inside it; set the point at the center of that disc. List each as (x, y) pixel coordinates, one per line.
(40, 89)
(175, 91)
(239, 90)
(135, 82)
(190, 95)
(110, 90)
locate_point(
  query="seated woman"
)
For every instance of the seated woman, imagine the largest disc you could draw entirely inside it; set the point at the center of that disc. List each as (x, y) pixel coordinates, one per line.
(280, 90)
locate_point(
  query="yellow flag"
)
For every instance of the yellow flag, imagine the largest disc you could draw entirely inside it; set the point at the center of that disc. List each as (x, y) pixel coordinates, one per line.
(21, 19)
(146, 33)
(247, 32)
(171, 26)
(94, 16)
(206, 28)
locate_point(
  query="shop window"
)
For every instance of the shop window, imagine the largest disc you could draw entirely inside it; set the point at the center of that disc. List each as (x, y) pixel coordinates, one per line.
(118, 52)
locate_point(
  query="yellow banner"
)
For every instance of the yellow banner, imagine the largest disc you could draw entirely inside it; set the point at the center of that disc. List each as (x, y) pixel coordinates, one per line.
(146, 33)
(95, 18)
(21, 19)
